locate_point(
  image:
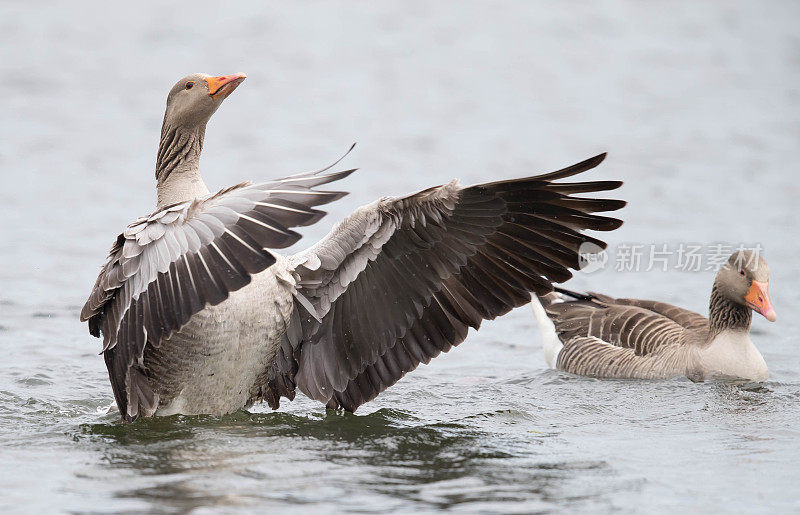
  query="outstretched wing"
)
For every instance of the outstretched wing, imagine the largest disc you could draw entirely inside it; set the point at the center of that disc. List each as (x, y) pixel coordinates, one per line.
(166, 267)
(403, 279)
(608, 337)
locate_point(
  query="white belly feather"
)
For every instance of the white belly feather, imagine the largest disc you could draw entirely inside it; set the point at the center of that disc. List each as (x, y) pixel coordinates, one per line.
(732, 355)
(223, 350)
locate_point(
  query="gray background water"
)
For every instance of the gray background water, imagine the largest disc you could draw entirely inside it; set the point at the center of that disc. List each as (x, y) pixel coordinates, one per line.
(697, 105)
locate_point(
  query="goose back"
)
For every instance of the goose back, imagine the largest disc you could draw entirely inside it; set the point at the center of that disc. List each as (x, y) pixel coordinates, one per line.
(623, 338)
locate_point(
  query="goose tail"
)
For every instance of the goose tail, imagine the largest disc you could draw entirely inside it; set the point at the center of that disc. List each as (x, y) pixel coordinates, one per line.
(551, 344)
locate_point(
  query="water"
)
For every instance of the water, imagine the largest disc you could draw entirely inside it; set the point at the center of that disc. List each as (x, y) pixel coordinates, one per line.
(697, 105)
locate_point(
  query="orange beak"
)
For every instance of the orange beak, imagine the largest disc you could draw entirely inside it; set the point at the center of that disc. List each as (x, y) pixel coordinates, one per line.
(222, 86)
(758, 299)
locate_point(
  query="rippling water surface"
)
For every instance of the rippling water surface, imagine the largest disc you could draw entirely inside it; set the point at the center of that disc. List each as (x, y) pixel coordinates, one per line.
(697, 105)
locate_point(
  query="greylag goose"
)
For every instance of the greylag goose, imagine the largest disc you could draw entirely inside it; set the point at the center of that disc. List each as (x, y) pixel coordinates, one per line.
(198, 314)
(601, 336)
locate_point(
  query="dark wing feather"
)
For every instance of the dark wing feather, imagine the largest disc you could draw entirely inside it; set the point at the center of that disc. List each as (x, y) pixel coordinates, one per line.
(403, 279)
(166, 267)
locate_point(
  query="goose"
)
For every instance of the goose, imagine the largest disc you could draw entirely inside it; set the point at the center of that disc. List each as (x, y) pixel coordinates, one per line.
(199, 313)
(601, 336)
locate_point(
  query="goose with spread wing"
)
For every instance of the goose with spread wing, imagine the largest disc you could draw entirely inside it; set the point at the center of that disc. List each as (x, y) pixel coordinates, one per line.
(601, 336)
(199, 314)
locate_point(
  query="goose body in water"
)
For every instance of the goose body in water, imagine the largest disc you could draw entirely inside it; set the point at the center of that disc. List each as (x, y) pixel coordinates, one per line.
(601, 336)
(198, 314)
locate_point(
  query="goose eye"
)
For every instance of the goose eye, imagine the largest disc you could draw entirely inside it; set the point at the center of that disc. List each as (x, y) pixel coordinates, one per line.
(741, 272)
(190, 84)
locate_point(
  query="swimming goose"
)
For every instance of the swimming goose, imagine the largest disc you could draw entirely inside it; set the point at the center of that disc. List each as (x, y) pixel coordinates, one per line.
(601, 336)
(198, 314)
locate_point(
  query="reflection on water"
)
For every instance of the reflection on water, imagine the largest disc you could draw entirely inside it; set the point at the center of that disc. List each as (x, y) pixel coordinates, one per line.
(397, 455)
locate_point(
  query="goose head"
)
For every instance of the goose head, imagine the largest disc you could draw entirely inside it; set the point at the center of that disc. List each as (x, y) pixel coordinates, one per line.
(190, 104)
(744, 280)
(194, 98)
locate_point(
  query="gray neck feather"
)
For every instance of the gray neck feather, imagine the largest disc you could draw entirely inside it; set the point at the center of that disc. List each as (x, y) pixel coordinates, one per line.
(724, 314)
(178, 163)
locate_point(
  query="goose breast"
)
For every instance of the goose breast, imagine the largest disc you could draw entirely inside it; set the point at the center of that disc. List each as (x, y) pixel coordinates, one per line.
(213, 363)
